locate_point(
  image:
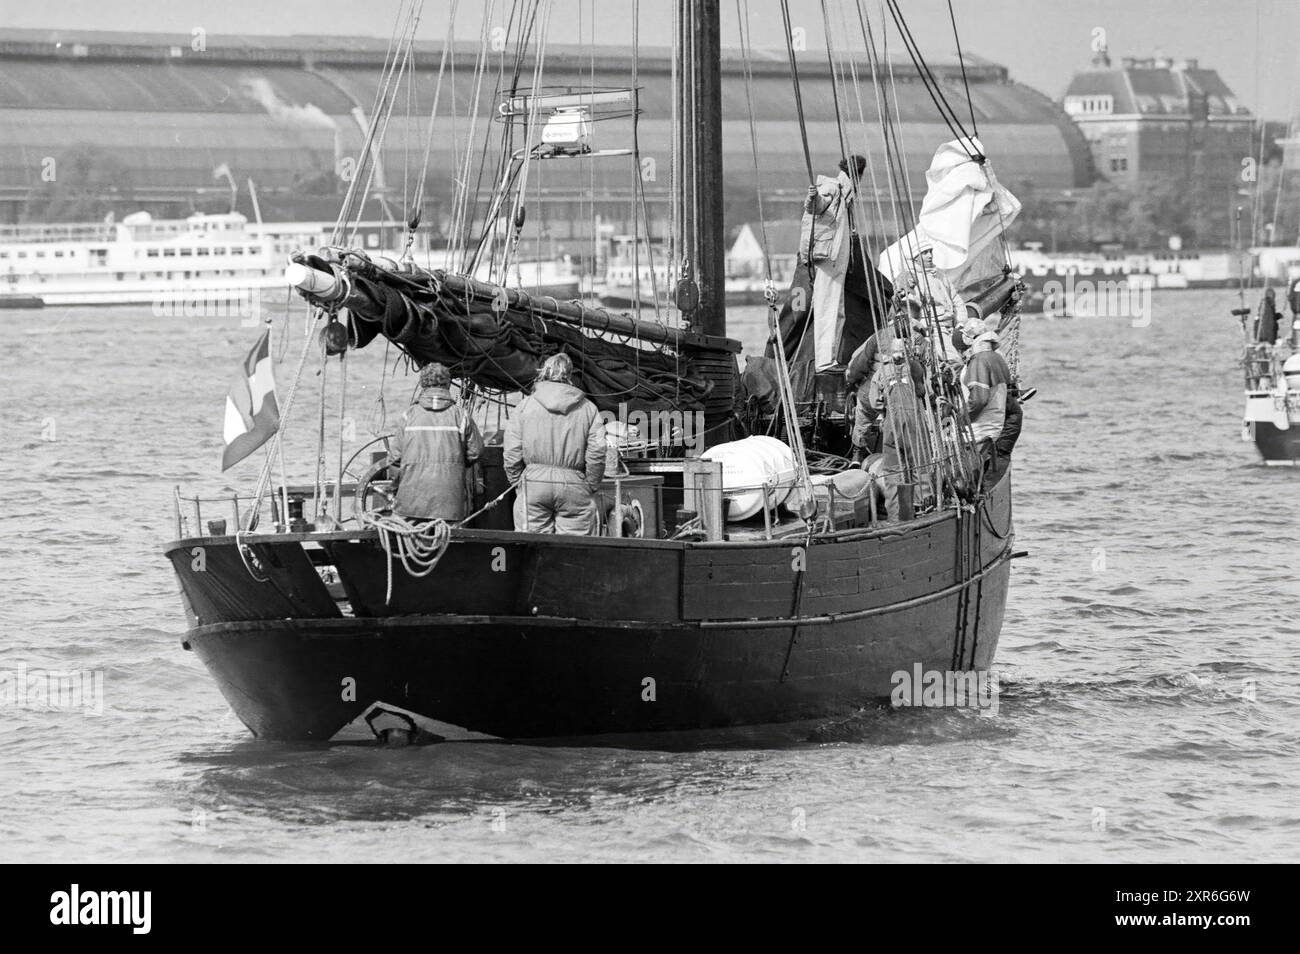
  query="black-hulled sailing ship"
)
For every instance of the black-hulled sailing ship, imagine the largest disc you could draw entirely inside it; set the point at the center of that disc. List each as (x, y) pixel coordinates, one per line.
(685, 613)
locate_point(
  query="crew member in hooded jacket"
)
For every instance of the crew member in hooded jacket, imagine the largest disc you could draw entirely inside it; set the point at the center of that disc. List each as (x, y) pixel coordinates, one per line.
(995, 414)
(435, 451)
(555, 448)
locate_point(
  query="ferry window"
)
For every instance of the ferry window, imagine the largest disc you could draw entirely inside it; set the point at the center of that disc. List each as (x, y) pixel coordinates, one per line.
(187, 251)
(153, 253)
(237, 250)
(169, 253)
(203, 251)
(22, 254)
(58, 253)
(218, 251)
(40, 254)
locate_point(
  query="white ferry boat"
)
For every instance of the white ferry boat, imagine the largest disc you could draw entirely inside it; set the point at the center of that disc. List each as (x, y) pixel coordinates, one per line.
(631, 280)
(209, 258)
(1166, 269)
(205, 260)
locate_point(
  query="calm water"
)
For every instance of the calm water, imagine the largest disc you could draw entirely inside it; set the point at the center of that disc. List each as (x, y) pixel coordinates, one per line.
(1162, 576)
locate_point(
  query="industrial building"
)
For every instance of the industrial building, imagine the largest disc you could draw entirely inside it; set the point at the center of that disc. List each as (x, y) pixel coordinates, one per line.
(116, 121)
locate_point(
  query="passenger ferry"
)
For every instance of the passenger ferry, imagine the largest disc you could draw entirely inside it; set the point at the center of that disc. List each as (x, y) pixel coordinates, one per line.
(137, 261)
(204, 260)
(556, 277)
(1165, 269)
(631, 280)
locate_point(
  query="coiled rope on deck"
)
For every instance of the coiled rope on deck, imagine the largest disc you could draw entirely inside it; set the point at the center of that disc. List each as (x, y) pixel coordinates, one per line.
(419, 545)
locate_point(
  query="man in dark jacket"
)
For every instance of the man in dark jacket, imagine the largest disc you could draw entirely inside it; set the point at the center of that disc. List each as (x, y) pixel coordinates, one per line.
(555, 449)
(1266, 322)
(435, 452)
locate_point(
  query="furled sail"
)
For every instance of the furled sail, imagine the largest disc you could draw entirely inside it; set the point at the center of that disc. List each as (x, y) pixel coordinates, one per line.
(498, 337)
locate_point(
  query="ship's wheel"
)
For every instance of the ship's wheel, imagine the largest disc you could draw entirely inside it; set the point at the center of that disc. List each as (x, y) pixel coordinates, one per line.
(365, 488)
(365, 479)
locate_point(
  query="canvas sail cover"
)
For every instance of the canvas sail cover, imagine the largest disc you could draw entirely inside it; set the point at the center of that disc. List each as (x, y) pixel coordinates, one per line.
(964, 211)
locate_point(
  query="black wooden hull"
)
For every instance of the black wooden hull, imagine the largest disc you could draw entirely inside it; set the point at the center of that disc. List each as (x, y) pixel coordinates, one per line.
(591, 638)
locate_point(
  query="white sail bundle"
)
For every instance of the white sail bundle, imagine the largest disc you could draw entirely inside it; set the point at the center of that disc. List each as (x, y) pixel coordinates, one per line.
(964, 210)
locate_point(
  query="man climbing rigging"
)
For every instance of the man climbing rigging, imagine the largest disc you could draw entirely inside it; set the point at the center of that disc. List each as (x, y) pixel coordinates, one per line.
(864, 293)
(555, 450)
(826, 243)
(435, 452)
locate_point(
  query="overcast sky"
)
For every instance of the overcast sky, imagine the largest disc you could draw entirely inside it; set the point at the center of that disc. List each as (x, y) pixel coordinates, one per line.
(1255, 44)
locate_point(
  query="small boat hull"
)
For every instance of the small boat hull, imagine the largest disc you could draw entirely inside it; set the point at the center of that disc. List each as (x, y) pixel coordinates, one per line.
(1272, 422)
(21, 301)
(1278, 447)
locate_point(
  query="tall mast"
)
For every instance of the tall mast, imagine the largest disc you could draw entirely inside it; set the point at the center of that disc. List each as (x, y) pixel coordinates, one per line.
(700, 132)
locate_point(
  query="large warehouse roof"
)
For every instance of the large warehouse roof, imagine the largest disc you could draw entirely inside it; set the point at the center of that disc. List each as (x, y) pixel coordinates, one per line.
(282, 109)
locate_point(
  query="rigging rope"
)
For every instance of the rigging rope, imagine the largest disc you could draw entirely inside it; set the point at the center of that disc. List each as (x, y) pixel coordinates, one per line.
(970, 103)
(798, 93)
(931, 84)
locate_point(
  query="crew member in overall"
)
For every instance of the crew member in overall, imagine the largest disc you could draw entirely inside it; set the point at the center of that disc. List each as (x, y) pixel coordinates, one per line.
(555, 449)
(894, 393)
(859, 374)
(995, 414)
(436, 452)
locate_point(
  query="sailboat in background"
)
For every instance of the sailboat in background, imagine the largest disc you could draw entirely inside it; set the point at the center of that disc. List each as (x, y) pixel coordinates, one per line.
(1271, 337)
(726, 590)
